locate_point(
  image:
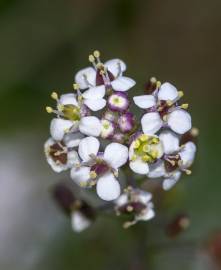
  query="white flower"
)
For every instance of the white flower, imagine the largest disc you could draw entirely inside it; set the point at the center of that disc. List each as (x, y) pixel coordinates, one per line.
(143, 151)
(163, 111)
(100, 169)
(175, 160)
(73, 116)
(59, 156)
(135, 203)
(104, 75)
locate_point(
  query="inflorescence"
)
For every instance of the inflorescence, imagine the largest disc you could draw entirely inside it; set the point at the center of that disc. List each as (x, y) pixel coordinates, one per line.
(95, 134)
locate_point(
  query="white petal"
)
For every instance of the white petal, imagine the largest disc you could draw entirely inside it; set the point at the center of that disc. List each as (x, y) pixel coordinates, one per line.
(151, 122)
(90, 125)
(169, 182)
(179, 121)
(96, 92)
(131, 150)
(167, 92)
(90, 74)
(170, 141)
(149, 214)
(123, 199)
(95, 104)
(145, 101)
(87, 147)
(108, 188)
(144, 196)
(68, 99)
(73, 139)
(113, 66)
(157, 170)
(139, 166)
(116, 154)
(58, 128)
(123, 84)
(80, 175)
(187, 154)
(73, 158)
(79, 222)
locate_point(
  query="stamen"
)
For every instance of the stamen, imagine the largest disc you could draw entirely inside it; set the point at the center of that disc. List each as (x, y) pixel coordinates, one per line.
(180, 94)
(144, 137)
(60, 107)
(158, 84)
(184, 106)
(49, 109)
(54, 95)
(76, 86)
(129, 208)
(93, 175)
(128, 224)
(91, 58)
(146, 158)
(194, 132)
(169, 103)
(188, 172)
(136, 144)
(97, 54)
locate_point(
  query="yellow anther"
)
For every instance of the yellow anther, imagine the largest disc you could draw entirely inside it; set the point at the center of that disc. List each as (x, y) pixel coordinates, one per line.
(172, 162)
(155, 140)
(115, 173)
(91, 58)
(154, 154)
(180, 94)
(146, 158)
(60, 107)
(165, 118)
(97, 54)
(130, 208)
(184, 106)
(158, 84)
(80, 98)
(49, 109)
(153, 80)
(93, 174)
(188, 172)
(136, 144)
(169, 103)
(54, 95)
(194, 132)
(76, 86)
(144, 137)
(146, 148)
(134, 157)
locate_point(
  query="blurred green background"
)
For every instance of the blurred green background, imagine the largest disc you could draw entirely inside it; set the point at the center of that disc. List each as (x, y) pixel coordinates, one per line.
(43, 44)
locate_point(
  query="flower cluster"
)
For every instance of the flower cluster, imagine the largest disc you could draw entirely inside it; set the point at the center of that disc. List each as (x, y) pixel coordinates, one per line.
(96, 135)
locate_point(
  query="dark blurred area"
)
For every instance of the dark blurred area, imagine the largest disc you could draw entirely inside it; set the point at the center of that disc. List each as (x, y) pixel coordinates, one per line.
(43, 44)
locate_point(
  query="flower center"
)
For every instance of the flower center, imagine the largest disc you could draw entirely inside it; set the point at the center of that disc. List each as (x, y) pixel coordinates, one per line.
(99, 168)
(58, 153)
(71, 112)
(147, 147)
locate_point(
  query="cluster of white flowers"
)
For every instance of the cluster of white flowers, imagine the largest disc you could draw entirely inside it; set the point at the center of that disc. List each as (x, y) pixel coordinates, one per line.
(95, 135)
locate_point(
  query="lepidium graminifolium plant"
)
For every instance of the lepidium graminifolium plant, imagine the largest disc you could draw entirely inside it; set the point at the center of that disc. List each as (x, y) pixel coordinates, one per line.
(95, 135)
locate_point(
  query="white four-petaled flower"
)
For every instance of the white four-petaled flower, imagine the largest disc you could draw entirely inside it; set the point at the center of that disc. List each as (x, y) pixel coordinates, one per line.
(73, 116)
(163, 111)
(100, 168)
